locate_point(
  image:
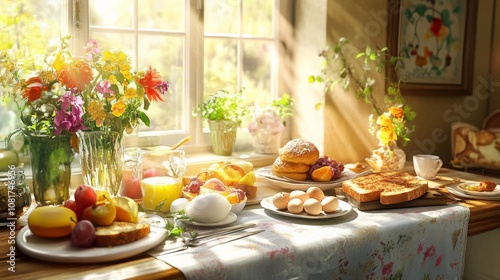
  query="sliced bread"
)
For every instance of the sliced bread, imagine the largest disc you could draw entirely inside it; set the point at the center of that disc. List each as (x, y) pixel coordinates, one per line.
(388, 187)
(120, 233)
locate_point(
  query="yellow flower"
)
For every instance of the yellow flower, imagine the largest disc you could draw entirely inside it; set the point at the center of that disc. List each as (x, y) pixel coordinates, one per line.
(96, 111)
(386, 135)
(112, 80)
(384, 120)
(130, 93)
(118, 108)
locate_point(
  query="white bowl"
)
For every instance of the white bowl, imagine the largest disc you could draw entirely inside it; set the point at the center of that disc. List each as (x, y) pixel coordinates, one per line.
(235, 208)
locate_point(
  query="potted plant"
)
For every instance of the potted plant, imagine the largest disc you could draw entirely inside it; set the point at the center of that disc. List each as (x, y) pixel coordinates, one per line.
(391, 120)
(224, 112)
(268, 124)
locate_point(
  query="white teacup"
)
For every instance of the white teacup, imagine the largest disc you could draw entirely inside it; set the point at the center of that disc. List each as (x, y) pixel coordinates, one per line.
(427, 166)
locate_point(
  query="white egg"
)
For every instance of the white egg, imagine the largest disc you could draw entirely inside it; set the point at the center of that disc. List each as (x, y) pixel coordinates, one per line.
(208, 208)
(330, 203)
(316, 193)
(302, 195)
(295, 206)
(312, 206)
(179, 204)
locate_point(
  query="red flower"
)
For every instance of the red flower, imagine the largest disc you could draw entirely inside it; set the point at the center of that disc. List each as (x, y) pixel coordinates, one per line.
(436, 26)
(150, 81)
(33, 89)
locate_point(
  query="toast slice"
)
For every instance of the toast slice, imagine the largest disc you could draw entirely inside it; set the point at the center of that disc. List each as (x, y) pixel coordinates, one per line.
(388, 187)
(119, 233)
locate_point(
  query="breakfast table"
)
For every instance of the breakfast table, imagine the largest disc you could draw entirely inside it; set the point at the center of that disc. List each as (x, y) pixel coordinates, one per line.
(409, 243)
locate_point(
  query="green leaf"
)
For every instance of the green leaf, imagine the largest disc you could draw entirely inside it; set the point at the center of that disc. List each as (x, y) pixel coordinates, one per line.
(144, 118)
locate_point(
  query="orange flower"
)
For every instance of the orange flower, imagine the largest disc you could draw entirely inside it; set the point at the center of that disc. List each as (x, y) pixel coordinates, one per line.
(150, 81)
(76, 74)
(397, 112)
(33, 89)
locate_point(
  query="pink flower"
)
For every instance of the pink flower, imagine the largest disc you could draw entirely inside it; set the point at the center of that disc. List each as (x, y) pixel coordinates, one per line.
(104, 87)
(92, 50)
(69, 118)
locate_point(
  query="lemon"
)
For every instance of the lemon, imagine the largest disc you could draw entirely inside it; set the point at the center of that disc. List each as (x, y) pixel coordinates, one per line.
(249, 179)
(127, 209)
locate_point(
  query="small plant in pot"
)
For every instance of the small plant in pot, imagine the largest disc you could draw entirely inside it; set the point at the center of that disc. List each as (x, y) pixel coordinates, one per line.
(224, 112)
(268, 124)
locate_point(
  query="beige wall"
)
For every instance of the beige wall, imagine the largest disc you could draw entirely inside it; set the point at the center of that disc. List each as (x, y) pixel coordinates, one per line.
(345, 131)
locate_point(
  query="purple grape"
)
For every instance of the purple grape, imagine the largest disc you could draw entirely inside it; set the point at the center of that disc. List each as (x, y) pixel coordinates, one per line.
(83, 234)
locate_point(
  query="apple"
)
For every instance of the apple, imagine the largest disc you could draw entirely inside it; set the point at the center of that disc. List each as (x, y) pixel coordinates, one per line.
(71, 204)
(151, 172)
(85, 196)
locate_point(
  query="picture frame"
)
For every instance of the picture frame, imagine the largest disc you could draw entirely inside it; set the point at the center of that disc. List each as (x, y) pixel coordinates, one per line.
(434, 42)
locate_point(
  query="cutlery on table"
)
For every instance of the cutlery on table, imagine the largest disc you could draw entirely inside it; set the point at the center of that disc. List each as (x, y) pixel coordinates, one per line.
(452, 197)
(210, 238)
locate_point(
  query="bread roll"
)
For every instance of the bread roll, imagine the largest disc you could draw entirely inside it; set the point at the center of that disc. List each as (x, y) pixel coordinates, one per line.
(286, 166)
(299, 151)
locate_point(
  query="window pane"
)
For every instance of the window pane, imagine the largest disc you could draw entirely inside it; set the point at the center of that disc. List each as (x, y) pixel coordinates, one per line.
(28, 27)
(220, 65)
(257, 70)
(116, 13)
(258, 18)
(165, 53)
(109, 40)
(161, 14)
(222, 16)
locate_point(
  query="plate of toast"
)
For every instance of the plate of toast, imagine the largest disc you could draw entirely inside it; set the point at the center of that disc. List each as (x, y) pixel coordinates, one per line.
(61, 250)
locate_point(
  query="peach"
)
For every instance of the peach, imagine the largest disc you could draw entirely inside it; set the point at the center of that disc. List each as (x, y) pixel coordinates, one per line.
(215, 184)
(323, 174)
(229, 174)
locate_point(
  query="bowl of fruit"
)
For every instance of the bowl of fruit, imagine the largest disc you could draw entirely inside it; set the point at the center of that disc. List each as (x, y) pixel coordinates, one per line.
(196, 186)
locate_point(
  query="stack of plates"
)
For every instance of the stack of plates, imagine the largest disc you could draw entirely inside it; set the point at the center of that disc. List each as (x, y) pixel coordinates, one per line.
(461, 190)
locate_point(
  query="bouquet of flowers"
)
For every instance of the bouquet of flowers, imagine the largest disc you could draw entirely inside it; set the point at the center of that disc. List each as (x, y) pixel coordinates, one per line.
(61, 93)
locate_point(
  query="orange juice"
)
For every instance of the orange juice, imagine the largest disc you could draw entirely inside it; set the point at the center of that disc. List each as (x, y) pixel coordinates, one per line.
(160, 191)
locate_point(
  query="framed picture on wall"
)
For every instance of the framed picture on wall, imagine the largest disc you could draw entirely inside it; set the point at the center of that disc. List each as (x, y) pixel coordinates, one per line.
(434, 41)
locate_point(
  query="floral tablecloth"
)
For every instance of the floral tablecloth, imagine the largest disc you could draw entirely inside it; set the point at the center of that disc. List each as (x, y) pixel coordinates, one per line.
(406, 243)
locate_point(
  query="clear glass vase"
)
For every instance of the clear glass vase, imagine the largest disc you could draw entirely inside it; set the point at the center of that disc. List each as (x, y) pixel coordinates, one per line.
(101, 158)
(51, 158)
(387, 158)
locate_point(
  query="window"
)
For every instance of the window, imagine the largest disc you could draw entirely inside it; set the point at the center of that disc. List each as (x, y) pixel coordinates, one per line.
(236, 39)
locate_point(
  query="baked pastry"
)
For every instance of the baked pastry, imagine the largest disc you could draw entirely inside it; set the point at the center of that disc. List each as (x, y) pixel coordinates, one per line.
(286, 166)
(119, 233)
(487, 186)
(388, 187)
(299, 151)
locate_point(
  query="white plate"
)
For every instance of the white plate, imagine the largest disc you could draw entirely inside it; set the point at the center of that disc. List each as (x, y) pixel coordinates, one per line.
(342, 210)
(230, 218)
(456, 191)
(60, 249)
(290, 184)
(463, 188)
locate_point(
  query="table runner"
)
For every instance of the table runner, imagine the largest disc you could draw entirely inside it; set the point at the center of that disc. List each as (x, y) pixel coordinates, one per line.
(406, 243)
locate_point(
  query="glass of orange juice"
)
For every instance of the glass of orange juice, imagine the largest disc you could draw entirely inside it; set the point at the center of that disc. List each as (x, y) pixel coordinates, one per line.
(162, 170)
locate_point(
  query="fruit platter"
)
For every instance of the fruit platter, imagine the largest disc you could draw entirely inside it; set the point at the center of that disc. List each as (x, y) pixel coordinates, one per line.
(92, 228)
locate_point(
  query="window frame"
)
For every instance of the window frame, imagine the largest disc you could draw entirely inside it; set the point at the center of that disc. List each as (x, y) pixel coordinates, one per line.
(77, 26)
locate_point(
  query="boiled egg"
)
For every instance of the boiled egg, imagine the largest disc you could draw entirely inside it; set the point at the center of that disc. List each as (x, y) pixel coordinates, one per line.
(302, 195)
(316, 193)
(179, 204)
(295, 206)
(280, 200)
(330, 203)
(208, 208)
(312, 206)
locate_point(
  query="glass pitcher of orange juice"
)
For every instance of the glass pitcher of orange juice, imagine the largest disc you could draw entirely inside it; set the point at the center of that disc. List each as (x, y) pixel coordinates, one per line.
(161, 170)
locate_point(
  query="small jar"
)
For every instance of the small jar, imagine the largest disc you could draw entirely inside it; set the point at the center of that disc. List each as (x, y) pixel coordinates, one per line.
(15, 196)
